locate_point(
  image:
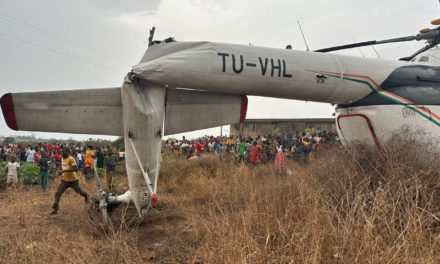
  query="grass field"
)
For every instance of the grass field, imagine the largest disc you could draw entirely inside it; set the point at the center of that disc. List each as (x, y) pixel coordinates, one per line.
(346, 206)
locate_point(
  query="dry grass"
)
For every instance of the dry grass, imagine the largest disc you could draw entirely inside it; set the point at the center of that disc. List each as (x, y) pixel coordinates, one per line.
(347, 206)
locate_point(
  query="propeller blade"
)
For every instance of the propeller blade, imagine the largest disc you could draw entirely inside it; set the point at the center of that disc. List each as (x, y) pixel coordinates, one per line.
(408, 38)
(367, 43)
(425, 48)
(347, 46)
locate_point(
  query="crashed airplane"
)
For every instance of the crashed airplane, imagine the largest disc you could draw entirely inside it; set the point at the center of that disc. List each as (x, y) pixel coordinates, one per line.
(184, 86)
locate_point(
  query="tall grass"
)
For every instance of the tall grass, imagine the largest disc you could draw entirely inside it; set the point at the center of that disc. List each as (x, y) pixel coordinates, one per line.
(348, 205)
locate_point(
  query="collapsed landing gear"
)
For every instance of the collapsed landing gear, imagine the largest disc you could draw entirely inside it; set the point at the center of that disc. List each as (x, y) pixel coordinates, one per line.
(104, 202)
(143, 105)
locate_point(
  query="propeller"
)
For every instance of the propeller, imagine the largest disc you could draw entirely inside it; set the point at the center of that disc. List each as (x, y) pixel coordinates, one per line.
(432, 37)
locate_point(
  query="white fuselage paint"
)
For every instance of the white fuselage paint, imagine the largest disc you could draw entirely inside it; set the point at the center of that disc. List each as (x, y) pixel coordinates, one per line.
(301, 75)
(386, 121)
(262, 72)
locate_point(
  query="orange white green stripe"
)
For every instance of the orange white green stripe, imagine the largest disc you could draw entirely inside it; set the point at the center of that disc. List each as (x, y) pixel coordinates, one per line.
(375, 87)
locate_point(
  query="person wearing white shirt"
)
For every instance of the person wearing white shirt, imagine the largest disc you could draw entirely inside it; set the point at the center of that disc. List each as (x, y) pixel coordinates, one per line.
(30, 155)
(12, 171)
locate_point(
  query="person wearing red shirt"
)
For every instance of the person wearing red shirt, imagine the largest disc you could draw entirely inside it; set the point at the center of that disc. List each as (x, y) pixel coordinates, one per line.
(199, 148)
(56, 147)
(255, 154)
(56, 163)
(37, 156)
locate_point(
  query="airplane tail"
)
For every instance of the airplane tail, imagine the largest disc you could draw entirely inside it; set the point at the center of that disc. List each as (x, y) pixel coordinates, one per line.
(140, 111)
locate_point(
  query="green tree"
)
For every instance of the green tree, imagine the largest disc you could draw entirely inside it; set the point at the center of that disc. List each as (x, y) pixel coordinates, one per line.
(119, 143)
(8, 140)
(277, 132)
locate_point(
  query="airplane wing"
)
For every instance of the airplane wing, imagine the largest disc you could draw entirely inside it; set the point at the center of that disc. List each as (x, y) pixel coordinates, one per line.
(189, 110)
(91, 111)
(99, 111)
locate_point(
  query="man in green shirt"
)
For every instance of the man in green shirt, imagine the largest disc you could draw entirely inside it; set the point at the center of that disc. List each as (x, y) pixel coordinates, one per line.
(241, 151)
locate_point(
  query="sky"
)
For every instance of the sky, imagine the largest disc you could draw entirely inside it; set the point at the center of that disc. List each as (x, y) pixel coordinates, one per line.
(59, 44)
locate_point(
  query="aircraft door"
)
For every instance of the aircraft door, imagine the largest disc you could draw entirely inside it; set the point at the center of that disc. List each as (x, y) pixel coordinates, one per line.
(356, 128)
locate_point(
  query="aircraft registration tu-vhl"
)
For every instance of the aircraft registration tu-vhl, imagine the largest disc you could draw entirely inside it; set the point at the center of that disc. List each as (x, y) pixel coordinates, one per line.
(185, 86)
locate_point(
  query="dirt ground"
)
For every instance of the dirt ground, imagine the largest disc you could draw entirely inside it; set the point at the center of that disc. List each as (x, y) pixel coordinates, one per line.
(29, 233)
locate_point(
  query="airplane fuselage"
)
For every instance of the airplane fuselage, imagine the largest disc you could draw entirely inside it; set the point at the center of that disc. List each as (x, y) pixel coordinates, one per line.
(374, 97)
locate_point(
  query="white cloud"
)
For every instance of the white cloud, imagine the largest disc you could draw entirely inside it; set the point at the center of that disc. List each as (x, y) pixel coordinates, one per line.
(110, 7)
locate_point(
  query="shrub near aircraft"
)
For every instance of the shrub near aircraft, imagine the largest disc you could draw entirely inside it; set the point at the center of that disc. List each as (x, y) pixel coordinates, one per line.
(184, 86)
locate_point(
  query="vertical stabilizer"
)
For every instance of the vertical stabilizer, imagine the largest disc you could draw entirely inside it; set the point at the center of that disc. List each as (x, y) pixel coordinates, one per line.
(143, 106)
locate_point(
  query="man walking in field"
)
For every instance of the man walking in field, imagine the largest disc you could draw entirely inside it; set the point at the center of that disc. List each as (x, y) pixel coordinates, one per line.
(69, 179)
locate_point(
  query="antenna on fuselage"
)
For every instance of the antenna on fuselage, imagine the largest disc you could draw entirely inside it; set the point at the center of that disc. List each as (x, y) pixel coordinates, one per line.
(363, 55)
(376, 51)
(302, 33)
(150, 38)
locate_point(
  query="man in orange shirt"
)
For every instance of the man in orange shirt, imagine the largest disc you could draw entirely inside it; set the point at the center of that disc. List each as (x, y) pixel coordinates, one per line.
(88, 163)
(69, 179)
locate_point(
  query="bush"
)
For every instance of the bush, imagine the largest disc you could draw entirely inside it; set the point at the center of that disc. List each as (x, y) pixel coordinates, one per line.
(30, 173)
(2, 173)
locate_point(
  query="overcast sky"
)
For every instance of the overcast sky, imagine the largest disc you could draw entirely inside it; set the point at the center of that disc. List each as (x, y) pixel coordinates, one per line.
(110, 35)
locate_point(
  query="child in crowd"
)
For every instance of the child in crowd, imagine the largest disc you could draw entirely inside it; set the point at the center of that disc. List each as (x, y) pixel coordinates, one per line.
(12, 172)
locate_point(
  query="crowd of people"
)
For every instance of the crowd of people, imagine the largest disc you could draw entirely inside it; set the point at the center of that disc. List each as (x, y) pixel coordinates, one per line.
(247, 150)
(48, 157)
(257, 150)
(65, 161)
